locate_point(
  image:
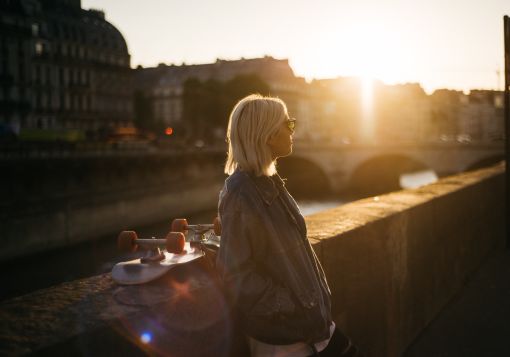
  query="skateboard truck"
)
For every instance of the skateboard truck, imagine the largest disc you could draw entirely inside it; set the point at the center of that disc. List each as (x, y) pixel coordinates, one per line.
(129, 241)
(153, 255)
(199, 232)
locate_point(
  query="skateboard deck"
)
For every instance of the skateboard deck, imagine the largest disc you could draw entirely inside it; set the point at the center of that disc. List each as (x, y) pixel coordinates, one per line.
(135, 272)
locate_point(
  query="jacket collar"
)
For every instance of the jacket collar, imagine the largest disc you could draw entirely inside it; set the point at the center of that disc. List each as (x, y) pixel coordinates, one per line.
(267, 186)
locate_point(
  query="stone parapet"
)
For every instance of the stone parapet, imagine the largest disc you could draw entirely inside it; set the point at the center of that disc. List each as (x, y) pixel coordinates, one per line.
(392, 263)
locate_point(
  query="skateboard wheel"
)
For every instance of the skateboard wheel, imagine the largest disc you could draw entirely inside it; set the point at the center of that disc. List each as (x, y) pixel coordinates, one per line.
(179, 225)
(175, 242)
(126, 241)
(217, 226)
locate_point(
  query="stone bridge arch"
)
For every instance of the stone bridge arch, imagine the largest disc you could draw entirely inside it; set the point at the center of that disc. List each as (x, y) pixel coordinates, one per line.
(381, 173)
(306, 179)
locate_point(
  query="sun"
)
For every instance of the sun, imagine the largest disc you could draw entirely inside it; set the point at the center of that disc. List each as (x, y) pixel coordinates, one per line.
(375, 52)
(367, 50)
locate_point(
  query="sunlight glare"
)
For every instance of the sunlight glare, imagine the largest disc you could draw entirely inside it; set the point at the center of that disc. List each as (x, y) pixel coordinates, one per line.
(369, 49)
(367, 108)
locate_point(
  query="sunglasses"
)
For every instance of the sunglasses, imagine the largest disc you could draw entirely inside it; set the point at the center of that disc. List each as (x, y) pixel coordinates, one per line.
(291, 124)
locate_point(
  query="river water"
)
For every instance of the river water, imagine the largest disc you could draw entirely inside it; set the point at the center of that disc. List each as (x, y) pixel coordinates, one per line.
(99, 255)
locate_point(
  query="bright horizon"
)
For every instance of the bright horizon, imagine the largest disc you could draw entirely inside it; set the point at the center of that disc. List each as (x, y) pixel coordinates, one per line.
(456, 45)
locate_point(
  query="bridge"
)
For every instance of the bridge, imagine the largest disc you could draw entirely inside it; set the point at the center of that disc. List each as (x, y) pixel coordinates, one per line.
(377, 168)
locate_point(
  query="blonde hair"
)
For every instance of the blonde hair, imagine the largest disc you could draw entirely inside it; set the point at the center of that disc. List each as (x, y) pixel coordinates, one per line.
(252, 122)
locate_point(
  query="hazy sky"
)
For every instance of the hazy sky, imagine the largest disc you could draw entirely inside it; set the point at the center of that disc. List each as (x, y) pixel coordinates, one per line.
(439, 43)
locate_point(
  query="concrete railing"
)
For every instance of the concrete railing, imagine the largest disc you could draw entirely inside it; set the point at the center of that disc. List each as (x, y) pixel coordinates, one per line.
(392, 263)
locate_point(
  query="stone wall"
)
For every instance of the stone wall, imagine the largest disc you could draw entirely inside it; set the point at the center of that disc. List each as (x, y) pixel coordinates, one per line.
(392, 263)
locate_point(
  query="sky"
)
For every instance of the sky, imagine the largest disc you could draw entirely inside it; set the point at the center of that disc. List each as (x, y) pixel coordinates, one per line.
(455, 44)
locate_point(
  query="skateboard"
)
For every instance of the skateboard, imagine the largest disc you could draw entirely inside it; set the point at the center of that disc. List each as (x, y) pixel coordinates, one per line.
(183, 244)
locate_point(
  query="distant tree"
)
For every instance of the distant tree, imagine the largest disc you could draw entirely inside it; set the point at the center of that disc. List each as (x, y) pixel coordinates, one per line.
(211, 110)
(193, 100)
(238, 88)
(207, 105)
(144, 115)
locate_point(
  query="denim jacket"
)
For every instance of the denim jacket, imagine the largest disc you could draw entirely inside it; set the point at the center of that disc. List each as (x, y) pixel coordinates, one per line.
(270, 271)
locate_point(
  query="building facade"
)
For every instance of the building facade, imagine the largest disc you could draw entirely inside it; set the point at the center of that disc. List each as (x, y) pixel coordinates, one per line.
(163, 86)
(62, 68)
(481, 117)
(474, 117)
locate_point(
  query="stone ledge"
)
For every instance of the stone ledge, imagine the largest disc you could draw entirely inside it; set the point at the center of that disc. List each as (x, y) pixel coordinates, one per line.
(45, 319)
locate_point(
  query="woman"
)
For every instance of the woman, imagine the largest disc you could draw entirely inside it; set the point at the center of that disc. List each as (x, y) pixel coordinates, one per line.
(269, 269)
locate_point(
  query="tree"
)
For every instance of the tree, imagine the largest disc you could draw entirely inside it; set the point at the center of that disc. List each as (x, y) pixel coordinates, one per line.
(207, 105)
(144, 114)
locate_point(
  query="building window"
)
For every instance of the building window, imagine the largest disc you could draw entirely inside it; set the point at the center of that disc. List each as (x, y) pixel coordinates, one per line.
(14, 93)
(55, 104)
(66, 75)
(84, 77)
(21, 71)
(39, 48)
(35, 29)
(48, 75)
(42, 75)
(44, 101)
(21, 48)
(37, 75)
(38, 100)
(76, 102)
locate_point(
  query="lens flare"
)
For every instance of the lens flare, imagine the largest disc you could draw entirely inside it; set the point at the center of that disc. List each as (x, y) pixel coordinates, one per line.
(189, 308)
(146, 337)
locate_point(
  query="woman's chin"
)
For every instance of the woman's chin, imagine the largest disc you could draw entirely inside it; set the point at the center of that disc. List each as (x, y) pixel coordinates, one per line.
(287, 153)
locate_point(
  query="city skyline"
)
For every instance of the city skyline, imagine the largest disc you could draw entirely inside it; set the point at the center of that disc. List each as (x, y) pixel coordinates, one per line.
(392, 41)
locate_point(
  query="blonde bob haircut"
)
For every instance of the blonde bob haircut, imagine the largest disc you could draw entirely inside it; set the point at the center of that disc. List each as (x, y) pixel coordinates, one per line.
(252, 122)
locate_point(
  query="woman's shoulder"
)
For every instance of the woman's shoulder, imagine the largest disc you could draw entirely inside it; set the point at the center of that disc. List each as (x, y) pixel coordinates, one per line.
(240, 183)
(241, 187)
